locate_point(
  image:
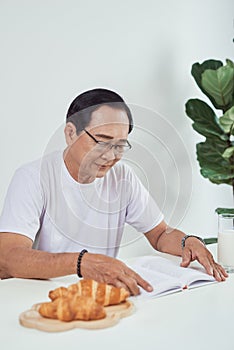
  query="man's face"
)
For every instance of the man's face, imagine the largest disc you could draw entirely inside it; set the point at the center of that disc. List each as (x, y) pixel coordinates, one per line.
(88, 159)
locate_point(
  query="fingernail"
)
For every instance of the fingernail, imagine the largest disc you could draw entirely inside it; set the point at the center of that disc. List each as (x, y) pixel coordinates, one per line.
(149, 288)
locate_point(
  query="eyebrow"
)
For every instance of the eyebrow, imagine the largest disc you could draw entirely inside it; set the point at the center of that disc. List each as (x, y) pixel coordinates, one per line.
(108, 137)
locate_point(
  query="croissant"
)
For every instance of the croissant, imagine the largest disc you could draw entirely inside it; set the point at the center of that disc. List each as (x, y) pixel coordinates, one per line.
(49, 309)
(102, 293)
(79, 308)
(72, 308)
(58, 292)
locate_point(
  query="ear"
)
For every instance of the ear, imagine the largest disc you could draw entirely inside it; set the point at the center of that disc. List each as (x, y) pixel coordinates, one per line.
(70, 133)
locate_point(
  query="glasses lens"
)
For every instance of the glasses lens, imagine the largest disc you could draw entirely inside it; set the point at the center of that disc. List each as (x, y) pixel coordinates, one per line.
(120, 149)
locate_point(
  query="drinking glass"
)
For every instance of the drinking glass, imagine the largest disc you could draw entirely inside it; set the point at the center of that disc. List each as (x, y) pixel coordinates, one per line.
(226, 239)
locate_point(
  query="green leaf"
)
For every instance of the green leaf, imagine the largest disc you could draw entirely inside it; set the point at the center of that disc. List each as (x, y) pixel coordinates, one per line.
(228, 152)
(230, 63)
(198, 69)
(216, 154)
(221, 182)
(213, 166)
(216, 174)
(205, 120)
(227, 121)
(219, 84)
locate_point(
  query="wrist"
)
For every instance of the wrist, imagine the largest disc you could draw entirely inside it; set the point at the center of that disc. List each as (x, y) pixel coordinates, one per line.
(189, 237)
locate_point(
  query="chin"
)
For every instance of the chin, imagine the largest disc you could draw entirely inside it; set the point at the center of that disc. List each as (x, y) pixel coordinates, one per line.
(100, 175)
(102, 172)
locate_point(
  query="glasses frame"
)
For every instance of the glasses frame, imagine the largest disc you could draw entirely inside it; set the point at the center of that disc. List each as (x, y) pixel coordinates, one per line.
(109, 145)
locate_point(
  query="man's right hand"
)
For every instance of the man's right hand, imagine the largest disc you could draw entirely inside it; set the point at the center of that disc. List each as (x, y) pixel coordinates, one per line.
(105, 269)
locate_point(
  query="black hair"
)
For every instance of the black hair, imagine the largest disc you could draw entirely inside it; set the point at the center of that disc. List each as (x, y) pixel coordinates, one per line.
(81, 109)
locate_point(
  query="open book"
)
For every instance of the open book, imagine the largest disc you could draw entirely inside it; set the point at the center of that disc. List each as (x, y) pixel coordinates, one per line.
(167, 277)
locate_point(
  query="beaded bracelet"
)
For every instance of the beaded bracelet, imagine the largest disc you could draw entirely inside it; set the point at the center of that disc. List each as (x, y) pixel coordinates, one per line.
(79, 262)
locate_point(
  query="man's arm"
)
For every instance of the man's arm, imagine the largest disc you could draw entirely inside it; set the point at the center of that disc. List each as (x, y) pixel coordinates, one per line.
(168, 240)
(18, 259)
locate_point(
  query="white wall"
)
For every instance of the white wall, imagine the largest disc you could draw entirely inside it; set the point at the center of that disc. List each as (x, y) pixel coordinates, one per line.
(53, 50)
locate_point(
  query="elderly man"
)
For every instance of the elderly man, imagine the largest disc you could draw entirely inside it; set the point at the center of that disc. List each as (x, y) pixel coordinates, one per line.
(65, 213)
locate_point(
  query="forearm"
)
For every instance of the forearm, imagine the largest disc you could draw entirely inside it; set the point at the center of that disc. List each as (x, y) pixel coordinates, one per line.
(170, 241)
(23, 262)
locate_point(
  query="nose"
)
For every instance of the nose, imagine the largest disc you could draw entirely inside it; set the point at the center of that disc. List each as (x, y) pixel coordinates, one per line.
(109, 155)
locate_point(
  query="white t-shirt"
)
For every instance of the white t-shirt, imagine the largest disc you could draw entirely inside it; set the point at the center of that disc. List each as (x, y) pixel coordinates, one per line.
(46, 204)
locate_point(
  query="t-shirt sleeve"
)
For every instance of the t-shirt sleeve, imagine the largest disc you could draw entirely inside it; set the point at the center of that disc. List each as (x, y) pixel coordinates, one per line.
(23, 205)
(142, 211)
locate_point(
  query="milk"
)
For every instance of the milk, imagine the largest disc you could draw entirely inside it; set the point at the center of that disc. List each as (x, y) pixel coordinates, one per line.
(226, 248)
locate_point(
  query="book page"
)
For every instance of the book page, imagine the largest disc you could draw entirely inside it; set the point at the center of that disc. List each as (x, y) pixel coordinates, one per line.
(161, 283)
(166, 276)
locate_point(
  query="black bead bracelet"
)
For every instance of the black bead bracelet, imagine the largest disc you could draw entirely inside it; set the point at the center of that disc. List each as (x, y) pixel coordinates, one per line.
(79, 262)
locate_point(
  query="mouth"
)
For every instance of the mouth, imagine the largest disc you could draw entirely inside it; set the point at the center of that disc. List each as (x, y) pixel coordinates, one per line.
(101, 166)
(104, 167)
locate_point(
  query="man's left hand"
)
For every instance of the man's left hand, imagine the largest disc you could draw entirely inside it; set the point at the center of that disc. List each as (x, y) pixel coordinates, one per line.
(195, 250)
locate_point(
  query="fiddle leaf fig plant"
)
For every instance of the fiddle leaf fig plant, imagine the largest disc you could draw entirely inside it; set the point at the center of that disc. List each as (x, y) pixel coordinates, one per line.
(216, 154)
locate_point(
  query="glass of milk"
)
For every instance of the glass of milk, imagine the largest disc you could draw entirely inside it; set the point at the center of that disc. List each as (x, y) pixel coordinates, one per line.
(226, 240)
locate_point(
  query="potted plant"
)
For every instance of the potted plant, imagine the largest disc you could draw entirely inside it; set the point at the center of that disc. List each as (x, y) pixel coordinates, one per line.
(216, 154)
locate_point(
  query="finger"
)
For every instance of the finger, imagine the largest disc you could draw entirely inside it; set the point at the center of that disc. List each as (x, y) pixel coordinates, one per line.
(131, 284)
(186, 257)
(222, 270)
(219, 273)
(208, 264)
(212, 268)
(141, 281)
(120, 284)
(224, 273)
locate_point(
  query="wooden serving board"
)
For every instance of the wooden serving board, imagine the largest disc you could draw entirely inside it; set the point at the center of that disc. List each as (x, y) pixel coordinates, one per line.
(32, 319)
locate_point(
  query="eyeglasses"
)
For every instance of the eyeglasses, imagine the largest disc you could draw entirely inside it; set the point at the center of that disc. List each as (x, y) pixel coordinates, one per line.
(106, 146)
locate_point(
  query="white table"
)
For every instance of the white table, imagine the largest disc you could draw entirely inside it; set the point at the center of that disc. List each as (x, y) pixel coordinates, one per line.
(202, 318)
